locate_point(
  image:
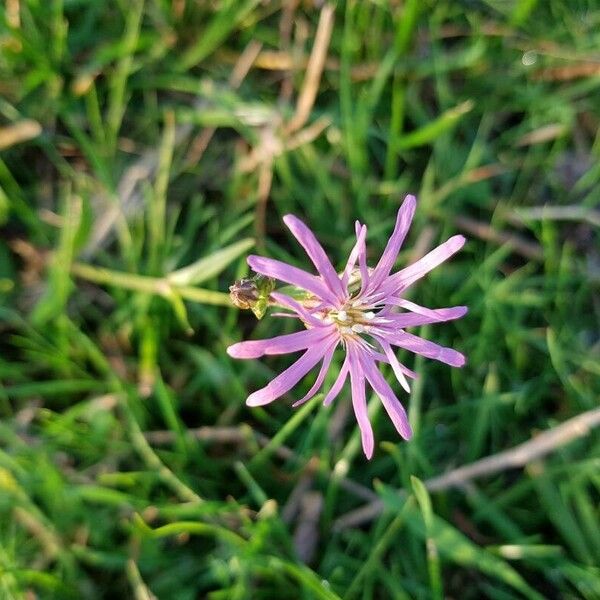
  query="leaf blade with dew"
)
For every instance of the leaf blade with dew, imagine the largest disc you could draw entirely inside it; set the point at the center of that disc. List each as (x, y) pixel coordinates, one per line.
(305, 576)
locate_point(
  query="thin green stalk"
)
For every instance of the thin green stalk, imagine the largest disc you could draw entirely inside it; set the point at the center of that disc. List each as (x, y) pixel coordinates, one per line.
(289, 427)
(143, 448)
(140, 590)
(118, 88)
(382, 545)
(159, 286)
(157, 211)
(433, 558)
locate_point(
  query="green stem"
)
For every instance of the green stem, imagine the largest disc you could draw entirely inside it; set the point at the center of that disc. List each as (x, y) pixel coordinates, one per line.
(149, 285)
(143, 448)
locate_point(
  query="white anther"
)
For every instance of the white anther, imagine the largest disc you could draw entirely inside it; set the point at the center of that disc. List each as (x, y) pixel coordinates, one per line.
(358, 328)
(346, 330)
(369, 315)
(342, 315)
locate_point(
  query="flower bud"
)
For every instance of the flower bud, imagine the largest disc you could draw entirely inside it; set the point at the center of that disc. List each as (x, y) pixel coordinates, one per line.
(252, 293)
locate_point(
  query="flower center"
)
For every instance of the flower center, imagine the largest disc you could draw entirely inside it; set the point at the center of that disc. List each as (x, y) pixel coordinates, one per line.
(351, 319)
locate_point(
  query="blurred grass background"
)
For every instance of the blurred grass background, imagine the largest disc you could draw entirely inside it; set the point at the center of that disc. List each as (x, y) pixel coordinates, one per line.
(147, 147)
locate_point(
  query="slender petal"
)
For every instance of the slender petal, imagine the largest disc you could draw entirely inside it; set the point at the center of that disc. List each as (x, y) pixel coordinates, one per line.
(378, 356)
(418, 345)
(362, 261)
(306, 238)
(320, 377)
(285, 381)
(391, 404)
(402, 279)
(353, 257)
(289, 302)
(336, 388)
(397, 367)
(435, 314)
(284, 272)
(359, 402)
(281, 344)
(388, 258)
(395, 321)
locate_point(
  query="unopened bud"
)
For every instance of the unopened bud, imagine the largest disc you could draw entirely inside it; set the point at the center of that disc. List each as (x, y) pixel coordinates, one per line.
(252, 293)
(243, 293)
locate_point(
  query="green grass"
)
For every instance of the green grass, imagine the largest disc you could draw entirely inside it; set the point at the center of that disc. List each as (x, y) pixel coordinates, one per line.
(129, 464)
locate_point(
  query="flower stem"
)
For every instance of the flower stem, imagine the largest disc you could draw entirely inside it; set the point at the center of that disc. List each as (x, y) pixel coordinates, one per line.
(149, 285)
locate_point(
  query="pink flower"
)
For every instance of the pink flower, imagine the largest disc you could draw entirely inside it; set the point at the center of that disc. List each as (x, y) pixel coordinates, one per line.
(357, 309)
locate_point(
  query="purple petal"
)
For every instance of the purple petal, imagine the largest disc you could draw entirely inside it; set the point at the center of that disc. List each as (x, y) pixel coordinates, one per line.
(388, 399)
(282, 344)
(292, 304)
(320, 377)
(284, 272)
(359, 402)
(406, 277)
(418, 345)
(285, 381)
(388, 258)
(306, 238)
(433, 314)
(339, 383)
(359, 246)
(362, 261)
(384, 359)
(397, 367)
(394, 321)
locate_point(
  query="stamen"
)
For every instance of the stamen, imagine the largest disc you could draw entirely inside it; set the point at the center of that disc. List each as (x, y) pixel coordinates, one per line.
(342, 315)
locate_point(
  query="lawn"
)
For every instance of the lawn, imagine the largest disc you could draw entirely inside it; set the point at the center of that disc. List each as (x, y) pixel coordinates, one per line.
(147, 148)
